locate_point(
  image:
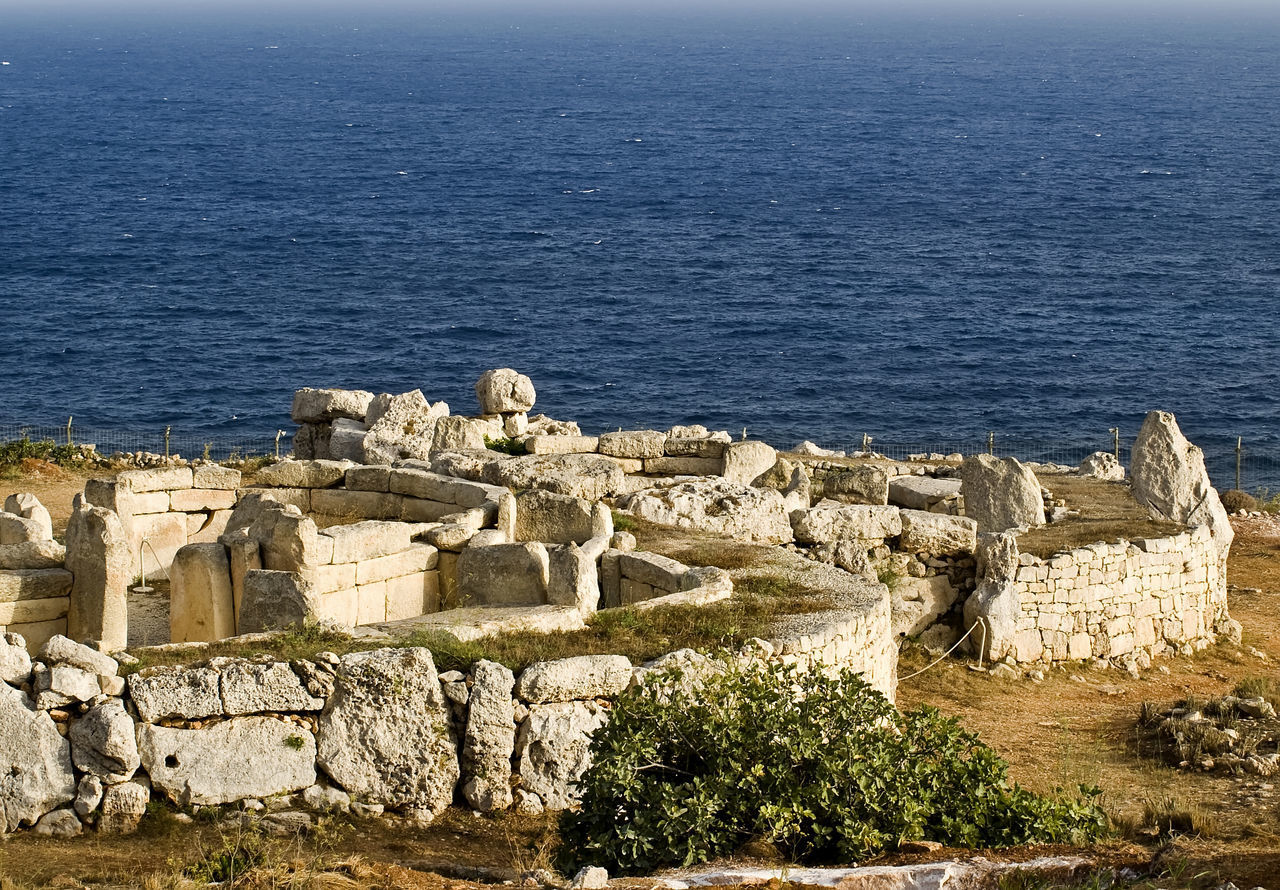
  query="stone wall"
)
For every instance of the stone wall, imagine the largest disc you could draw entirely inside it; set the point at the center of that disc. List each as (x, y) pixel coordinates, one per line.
(1121, 600)
(34, 586)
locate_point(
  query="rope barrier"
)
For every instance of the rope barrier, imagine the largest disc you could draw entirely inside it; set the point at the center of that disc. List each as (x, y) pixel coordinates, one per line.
(941, 657)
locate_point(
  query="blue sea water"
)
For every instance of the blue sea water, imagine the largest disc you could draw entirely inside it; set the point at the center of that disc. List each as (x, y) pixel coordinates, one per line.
(811, 223)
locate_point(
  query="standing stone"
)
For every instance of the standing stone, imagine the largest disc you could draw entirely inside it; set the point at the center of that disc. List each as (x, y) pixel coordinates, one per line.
(553, 749)
(276, 600)
(994, 604)
(504, 391)
(573, 578)
(504, 575)
(101, 560)
(35, 762)
(1170, 480)
(385, 735)
(103, 743)
(1000, 493)
(560, 518)
(28, 506)
(745, 461)
(201, 606)
(490, 737)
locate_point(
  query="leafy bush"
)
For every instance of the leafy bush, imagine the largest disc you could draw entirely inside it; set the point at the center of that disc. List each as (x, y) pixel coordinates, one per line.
(825, 768)
(1235, 500)
(15, 451)
(505, 445)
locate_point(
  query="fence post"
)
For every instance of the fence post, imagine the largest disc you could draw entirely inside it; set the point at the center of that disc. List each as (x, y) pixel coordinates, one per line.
(69, 419)
(1239, 451)
(1115, 431)
(166, 442)
(866, 443)
(279, 433)
(991, 443)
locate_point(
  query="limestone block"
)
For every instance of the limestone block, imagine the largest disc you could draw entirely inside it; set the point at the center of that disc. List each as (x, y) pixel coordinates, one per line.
(37, 633)
(311, 441)
(104, 743)
(15, 662)
(921, 600)
(165, 534)
(354, 505)
(371, 603)
(447, 569)
(289, 541)
(409, 596)
(692, 446)
(189, 693)
(452, 537)
(215, 477)
(340, 606)
(28, 506)
(489, 738)
(573, 579)
(101, 562)
(937, 534)
(19, 530)
(514, 425)
(1102, 465)
(827, 522)
(744, 461)
(504, 391)
(32, 555)
(922, 492)
(1000, 493)
(290, 497)
(682, 466)
(61, 684)
(34, 760)
(404, 427)
(253, 687)
(633, 444)
(61, 650)
(505, 574)
(201, 605)
(419, 510)
(558, 518)
(632, 592)
(464, 433)
(706, 578)
(552, 749)
(161, 479)
(579, 677)
(243, 555)
(857, 485)
(474, 518)
(561, 444)
(346, 440)
(369, 539)
(653, 569)
(416, 558)
(323, 405)
(368, 479)
(611, 579)
(247, 757)
(715, 505)
(123, 807)
(629, 465)
(386, 735)
(304, 473)
(191, 500)
(276, 600)
(33, 584)
(590, 476)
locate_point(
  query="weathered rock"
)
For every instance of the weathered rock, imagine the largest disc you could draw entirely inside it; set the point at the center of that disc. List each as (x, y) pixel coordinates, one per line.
(60, 650)
(552, 750)
(573, 578)
(311, 441)
(88, 795)
(489, 739)
(1000, 493)
(505, 574)
(937, 534)
(404, 427)
(721, 506)
(385, 735)
(323, 405)
(104, 744)
(1102, 465)
(101, 559)
(857, 485)
(744, 461)
(590, 476)
(561, 444)
(923, 492)
(61, 824)
(276, 600)
(259, 687)
(16, 529)
(579, 677)
(32, 555)
(812, 450)
(835, 522)
(35, 762)
(370, 539)
(123, 807)
(190, 693)
(919, 602)
(633, 444)
(542, 425)
(304, 473)
(201, 606)
(28, 506)
(346, 440)
(559, 518)
(994, 604)
(15, 663)
(62, 684)
(464, 433)
(228, 761)
(1168, 478)
(33, 584)
(504, 391)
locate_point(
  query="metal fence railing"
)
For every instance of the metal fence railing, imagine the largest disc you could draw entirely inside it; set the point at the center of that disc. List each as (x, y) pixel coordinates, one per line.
(164, 440)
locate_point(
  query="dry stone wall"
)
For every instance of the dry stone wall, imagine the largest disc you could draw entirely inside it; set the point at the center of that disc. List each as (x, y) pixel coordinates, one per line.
(35, 587)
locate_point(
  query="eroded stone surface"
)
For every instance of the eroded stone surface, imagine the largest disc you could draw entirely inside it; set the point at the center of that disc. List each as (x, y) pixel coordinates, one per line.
(552, 749)
(35, 762)
(489, 739)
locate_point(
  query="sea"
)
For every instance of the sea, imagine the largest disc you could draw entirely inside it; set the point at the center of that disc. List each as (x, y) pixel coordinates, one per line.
(935, 225)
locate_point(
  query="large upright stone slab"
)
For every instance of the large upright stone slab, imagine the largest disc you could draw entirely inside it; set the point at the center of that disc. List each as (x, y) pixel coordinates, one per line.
(35, 762)
(401, 427)
(490, 738)
(385, 735)
(275, 601)
(504, 391)
(201, 605)
(1168, 477)
(744, 461)
(504, 575)
(1000, 493)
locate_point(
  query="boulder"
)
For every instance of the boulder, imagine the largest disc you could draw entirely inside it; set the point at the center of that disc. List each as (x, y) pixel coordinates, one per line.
(489, 738)
(201, 607)
(579, 677)
(857, 485)
(1102, 465)
(402, 427)
(553, 750)
(385, 735)
(123, 807)
(35, 762)
(1000, 493)
(937, 534)
(28, 506)
(229, 761)
(744, 461)
(715, 505)
(61, 684)
(256, 687)
(16, 529)
(924, 492)
(838, 522)
(15, 662)
(560, 518)
(504, 574)
(1168, 477)
(104, 744)
(504, 391)
(88, 795)
(542, 425)
(61, 824)
(465, 433)
(276, 600)
(590, 476)
(61, 650)
(324, 405)
(311, 441)
(304, 473)
(168, 692)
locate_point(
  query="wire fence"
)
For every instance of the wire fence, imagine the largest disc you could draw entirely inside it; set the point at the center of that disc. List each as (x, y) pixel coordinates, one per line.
(165, 440)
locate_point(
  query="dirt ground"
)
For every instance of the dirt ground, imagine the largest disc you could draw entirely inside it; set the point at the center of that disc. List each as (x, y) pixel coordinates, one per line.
(1075, 726)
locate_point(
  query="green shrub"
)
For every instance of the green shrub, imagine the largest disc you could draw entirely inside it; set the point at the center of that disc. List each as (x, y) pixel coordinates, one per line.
(623, 522)
(505, 445)
(824, 768)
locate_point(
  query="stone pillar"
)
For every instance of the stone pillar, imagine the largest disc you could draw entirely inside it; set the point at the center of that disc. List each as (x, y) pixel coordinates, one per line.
(201, 607)
(99, 556)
